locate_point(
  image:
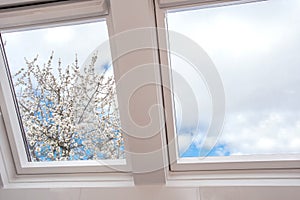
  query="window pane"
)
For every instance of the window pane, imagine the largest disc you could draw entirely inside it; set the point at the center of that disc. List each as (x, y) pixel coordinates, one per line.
(65, 90)
(255, 48)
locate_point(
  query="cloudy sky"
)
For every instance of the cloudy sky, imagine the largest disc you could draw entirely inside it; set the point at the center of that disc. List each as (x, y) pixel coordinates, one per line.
(255, 48)
(83, 40)
(64, 41)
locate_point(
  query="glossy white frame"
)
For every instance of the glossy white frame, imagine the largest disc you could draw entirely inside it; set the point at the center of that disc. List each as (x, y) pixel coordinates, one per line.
(208, 165)
(192, 3)
(141, 167)
(152, 160)
(31, 17)
(19, 2)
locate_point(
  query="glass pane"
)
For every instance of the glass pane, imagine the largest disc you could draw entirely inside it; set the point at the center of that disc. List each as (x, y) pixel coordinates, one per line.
(255, 49)
(65, 91)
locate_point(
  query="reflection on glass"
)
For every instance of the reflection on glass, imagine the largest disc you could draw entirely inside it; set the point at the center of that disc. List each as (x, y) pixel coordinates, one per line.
(65, 92)
(257, 56)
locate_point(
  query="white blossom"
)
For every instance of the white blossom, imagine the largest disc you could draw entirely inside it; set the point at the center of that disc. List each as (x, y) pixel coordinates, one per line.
(68, 114)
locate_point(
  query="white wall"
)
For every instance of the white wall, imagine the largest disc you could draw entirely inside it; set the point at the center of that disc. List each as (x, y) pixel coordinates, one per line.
(155, 193)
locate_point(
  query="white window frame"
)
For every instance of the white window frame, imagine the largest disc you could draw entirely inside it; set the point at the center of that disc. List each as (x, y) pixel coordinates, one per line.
(141, 168)
(213, 168)
(4, 3)
(151, 160)
(35, 17)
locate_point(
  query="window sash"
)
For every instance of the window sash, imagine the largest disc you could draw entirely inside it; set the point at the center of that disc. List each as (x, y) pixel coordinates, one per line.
(137, 160)
(246, 162)
(184, 4)
(4, 3)
(51, 13)
(27, 18)
(181, 172)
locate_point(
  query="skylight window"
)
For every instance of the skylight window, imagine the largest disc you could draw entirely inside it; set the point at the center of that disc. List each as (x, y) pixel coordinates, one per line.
(256, 54)
(65, 92)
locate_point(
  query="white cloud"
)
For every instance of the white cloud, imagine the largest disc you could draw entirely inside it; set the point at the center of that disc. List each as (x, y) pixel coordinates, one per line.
(262, 133)
(59, 35)
(65, 41)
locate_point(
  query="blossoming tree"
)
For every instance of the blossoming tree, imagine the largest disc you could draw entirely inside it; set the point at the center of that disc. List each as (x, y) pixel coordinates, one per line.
(68, 113)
